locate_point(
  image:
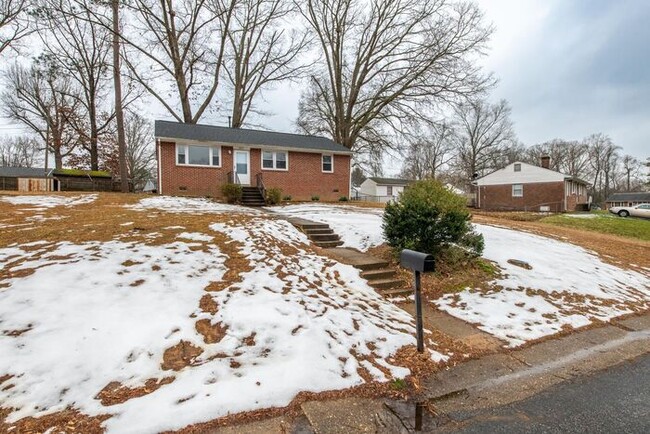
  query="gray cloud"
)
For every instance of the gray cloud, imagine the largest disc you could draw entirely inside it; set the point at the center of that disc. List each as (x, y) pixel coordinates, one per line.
(583, 67)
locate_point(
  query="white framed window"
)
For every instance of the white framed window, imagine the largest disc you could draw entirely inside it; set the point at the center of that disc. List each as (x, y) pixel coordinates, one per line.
(275, 160)
(198, 155)
(517, 190)
(517, 167)
(327, 163)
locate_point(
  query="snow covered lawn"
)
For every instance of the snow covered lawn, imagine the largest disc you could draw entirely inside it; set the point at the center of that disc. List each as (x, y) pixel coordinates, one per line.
(189, 205)
(187, 324)
(359, 228)
(567, 286)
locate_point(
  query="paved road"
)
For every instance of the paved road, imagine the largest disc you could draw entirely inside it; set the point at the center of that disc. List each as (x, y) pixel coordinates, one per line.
(616, 400)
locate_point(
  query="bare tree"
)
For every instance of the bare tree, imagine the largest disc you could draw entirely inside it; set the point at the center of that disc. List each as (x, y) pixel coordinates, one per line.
(176, 49)
(46, 101)
(82, 48)
(19, 151)
(484, 132)
(140, 152)
(386, 62)
(603, 161)
(428, 151)
(631, 168)
(14, 24)
(262, 51)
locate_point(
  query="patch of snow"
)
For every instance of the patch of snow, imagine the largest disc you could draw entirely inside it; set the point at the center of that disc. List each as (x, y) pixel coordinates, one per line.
(195, 236)
(581, 216)
(192, 205)
(49, 201)
(126, 224)
(358, 227)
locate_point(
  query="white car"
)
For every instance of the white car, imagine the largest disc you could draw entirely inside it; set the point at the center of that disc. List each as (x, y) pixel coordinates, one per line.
(641, 210)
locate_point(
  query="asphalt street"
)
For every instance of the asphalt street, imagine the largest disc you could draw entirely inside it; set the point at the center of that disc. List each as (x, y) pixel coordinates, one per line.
(616, 400)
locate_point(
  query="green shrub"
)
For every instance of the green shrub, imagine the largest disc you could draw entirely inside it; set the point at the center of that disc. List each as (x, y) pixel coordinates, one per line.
(287, 198)
(273, 196)
(429, 218)
(231, 192)
(343, 199)
(315, 198)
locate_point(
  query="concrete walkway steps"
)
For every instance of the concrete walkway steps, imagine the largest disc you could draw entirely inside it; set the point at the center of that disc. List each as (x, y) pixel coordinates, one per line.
(319, 233)
(375, 270)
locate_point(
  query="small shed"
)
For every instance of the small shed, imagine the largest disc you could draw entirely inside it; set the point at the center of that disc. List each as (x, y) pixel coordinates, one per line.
(627, 199)
(27, 179)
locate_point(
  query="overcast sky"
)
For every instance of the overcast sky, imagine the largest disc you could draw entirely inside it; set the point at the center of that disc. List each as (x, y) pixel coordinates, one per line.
(569, 68)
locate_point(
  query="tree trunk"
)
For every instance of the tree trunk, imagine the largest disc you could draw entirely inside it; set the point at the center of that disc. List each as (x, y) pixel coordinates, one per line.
(94, 137)
(119, 113)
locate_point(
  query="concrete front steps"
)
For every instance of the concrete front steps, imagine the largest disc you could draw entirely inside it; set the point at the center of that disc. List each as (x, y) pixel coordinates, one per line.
(319, 233)
(251, 196)
(376, 271)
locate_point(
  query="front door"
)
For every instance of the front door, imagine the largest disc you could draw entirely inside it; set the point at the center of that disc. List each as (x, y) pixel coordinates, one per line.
(242, 167)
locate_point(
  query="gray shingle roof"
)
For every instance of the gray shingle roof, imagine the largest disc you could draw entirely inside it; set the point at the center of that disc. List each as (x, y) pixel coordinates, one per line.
(210, 133)
(23, 172)
(629, 197)
(390, 181)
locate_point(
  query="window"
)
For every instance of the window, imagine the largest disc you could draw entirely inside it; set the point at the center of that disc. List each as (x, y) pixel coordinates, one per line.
(517, 167)
(328, 163)
(277, 160)
(198, 155)
(389, 190)
(517, 190)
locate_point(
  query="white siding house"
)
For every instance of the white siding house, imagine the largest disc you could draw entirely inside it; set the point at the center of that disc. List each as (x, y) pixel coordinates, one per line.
(382, 189)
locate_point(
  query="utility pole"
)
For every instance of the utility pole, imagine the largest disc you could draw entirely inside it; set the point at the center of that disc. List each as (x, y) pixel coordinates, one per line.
(119, 113)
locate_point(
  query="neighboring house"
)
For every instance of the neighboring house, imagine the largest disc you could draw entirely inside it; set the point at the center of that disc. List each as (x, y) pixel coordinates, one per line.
(196, 160)
(627, 199)
(26, 179)
(525, 187)
(382, 189)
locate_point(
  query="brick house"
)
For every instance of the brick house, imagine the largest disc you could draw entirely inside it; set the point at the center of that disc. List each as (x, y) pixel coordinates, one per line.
(196, 160)
(525, 187)
(627, 199)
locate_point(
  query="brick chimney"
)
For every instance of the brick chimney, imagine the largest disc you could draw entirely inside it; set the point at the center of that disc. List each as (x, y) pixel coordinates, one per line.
(546, 162)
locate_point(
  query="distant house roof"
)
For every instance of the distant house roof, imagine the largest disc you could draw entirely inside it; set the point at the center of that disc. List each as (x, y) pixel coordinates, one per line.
(211, 133)
(526, 173)
(629, 197)
(23, 172)
(390, 181)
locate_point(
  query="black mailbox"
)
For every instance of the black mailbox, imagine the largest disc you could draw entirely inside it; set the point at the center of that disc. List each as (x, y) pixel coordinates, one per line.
(420, 263)
(417, 261)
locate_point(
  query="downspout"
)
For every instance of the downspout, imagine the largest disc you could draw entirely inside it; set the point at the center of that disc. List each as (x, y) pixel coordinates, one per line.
(158, 154)
(350, 174)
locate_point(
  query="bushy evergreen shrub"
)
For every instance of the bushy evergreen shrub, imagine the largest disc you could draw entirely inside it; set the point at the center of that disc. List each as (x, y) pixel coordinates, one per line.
(429, 218)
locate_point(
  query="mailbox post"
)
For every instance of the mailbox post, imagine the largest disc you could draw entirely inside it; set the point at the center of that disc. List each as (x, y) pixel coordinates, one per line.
(420, 263)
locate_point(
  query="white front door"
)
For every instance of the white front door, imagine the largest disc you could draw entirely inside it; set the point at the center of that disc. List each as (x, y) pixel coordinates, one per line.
(242, 167)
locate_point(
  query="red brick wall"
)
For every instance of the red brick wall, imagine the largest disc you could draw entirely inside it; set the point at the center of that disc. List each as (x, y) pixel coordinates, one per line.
(303, 180)
(499, 197)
